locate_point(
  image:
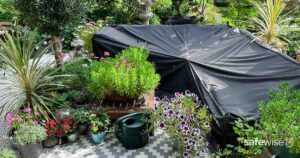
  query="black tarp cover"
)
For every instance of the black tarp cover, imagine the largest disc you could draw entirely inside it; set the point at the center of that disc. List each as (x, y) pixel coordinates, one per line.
(226, 66)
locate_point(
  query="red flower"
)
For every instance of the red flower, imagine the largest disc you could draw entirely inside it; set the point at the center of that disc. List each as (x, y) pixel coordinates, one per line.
(58, 133)
(49, 132)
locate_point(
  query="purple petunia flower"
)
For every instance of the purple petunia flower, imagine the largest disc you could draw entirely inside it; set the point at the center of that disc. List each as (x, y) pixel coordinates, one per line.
(177, 94)
(172, 100)
(161, 125)
(182, 123)
(157, 99)
(188, 148)
(206, 124)
(185, 154)
(187, 92)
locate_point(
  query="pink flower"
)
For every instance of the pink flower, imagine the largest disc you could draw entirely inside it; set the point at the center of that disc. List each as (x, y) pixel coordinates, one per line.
(28, 116)
(10, 116)
(63, 55)
(106, 54)
(34, 122)
(19, 119)
(8, 124)
(27, 109)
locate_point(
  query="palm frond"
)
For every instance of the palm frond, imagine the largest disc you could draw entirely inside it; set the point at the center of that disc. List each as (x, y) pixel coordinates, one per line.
(270, 21)
(27, 81)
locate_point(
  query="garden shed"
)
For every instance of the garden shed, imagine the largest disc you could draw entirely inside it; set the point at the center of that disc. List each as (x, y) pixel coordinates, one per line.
(227, 67)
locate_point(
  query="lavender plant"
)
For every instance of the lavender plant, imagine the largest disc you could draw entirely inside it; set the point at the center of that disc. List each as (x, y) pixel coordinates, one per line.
(186, 120)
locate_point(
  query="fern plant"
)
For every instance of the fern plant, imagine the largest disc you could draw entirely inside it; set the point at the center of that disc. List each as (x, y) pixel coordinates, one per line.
(129, 75)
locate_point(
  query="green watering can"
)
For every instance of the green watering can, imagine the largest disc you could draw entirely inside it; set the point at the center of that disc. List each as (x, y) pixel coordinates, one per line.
(132, 130)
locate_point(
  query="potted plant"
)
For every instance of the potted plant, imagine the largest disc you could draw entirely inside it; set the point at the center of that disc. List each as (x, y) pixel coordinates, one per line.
(66, 127)
(70, 127)
(29, 138)
(99, 127)
(185, 119)
(125, 78)
(14, 121)
(81, 117)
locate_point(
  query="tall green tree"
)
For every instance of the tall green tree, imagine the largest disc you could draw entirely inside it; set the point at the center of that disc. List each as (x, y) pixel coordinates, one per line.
(52, 17)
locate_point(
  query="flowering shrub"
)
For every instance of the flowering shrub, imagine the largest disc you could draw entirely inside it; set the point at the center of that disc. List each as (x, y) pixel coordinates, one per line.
(186, 121)
(61, 127)
(129, 75)
(25, 116)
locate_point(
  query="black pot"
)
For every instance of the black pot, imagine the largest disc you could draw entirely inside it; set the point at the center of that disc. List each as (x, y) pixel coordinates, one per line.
(50, 142)
(82, 128)
(30, 150)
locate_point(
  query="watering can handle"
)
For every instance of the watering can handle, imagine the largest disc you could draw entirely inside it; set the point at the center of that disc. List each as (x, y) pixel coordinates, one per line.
(118, 129)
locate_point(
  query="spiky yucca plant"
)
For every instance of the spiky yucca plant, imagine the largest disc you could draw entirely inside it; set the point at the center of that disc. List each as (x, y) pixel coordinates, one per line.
(27, 81)
(270, 23)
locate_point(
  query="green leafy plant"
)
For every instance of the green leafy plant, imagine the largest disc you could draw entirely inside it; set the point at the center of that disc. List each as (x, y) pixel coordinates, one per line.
(126, 12)
(280, 116)
(6, 153)
(279, 122)
(7, 11)
(76, 84)
(81, 115)
(87, 32)
(53, 18)
(129, 75)
(29, 83)
(99, 123)
(185, 119)
(59, 101)
(30, 134)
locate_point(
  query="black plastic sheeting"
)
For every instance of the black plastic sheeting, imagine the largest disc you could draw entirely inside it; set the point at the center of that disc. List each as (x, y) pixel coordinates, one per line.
(225, 66)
